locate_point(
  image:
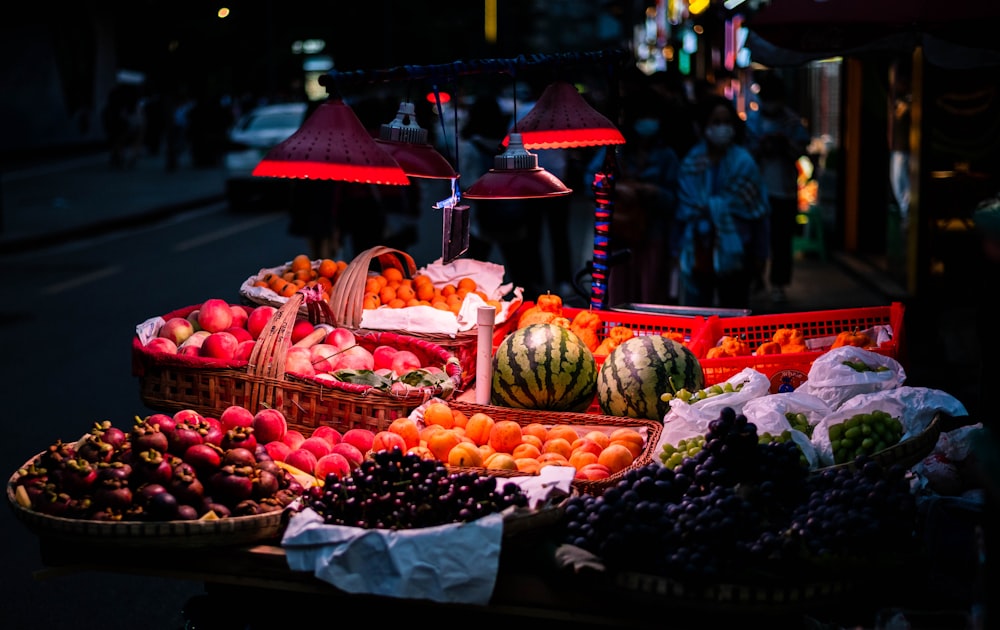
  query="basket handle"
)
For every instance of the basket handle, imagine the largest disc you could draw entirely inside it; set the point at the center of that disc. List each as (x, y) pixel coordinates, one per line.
(347, 296)
(268, 356)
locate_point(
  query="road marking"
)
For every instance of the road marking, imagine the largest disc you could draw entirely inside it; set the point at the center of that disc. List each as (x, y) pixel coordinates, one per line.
(223, 233)
(94, 276)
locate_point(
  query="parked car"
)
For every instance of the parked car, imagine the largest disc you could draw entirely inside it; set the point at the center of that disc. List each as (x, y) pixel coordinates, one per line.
(249, 141)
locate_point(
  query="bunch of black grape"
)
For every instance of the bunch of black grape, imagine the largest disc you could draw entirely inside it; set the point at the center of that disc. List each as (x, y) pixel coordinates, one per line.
(397, 490)
(735, 504)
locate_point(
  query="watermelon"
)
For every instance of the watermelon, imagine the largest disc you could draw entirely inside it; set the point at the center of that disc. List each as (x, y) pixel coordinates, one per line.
(544, 366)
(642, 368)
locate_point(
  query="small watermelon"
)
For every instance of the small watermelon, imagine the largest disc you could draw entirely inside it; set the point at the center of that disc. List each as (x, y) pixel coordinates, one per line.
(544, 366)
(642, 368)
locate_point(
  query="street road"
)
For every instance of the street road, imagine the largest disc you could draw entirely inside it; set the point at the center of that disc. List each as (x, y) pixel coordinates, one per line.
(67, 317)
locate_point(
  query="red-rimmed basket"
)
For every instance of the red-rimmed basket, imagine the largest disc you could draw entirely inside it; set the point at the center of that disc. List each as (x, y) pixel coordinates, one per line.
(757, 329)
(170, 382)
(582, 422)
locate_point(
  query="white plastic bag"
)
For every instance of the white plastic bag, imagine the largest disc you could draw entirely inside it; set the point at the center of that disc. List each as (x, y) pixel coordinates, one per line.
(834, 382)
(749, 383)
(767, 413)
(821, 432)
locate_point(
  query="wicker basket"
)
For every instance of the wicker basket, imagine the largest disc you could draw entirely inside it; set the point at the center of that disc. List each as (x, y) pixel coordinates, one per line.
(587, 421)
(347, 302)
(170, 383)
(233, 530)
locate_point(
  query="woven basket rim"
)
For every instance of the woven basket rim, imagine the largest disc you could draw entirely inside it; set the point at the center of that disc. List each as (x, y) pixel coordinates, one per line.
(230, 530)
(907, 452)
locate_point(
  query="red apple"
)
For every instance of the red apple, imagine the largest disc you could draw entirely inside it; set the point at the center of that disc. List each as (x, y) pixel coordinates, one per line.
(299, 361)
(235, 416)
(189, 351)
(354, 358)
(350, 452)
(328, 433)
(244, 350)
(360, 438)
(215, 315)
(343, 338)
(301, 328)
(593, 471)
(240, 315)
(303, 459)
(259, 318)
(269, 425)
(161, 344)
(189, 416)
(241, 334)
(322, 356)
(404, 361)
(332, 463)
(383, 356)
(317, 445)
(293, 438)
(278, 450)
(176, 329)
(220, 345)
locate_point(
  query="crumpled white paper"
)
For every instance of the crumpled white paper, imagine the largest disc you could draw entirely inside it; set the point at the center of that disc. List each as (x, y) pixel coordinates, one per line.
(453, 563)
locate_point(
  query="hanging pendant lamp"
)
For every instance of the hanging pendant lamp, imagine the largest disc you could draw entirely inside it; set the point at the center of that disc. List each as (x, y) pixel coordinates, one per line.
(332, 144)
(516, 175)
(563, 119)
(406, 142)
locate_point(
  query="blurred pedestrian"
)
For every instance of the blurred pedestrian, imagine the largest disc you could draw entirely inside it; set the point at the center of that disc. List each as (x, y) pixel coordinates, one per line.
(722, 213)
(777, 138)
(124, 124)
(645, 200)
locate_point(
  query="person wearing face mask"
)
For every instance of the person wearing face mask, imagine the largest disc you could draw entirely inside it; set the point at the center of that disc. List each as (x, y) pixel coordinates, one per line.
(777, 138)
(722, 232)
(645, 199)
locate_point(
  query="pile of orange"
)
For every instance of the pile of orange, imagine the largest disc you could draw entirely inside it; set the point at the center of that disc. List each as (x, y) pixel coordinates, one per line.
(302, 273)
(479, 441)
(392, 289)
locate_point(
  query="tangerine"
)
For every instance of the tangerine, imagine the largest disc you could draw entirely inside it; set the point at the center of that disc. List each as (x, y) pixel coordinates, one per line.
(301, 262)
(327, 268)
(392, 274)
(468, 284)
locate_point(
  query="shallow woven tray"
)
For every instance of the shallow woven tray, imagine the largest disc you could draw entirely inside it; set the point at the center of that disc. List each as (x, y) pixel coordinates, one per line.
(232, 530)
(170, 383)
(588, 420)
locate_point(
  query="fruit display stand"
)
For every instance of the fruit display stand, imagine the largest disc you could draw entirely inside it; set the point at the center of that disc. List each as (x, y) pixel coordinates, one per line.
(170, 382)
(819, 329)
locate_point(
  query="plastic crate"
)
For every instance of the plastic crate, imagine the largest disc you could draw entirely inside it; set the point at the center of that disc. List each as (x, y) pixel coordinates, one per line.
(819, 328)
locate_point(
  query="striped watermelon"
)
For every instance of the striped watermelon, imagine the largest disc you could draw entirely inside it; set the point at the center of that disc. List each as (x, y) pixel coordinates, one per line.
(639, 370)
(544, 366)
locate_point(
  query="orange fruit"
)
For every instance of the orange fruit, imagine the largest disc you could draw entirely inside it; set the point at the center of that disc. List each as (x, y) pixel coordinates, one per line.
(468, 284)
(532, 439)
(325, 284)
(424, 291)
(392, 274)
(371, 301)
(460, 418)
(387, 294)
(301, 262)
(422, 452)
(465, 455)
(630, 438)
(564, 431)
(439, 413)
(500, 461)
(289, 289)
(327, 268)
(441, 442)
(372, 285)
(598, 436)
(505, 435)
(428, 430)
(448, 289)
(405, 292)
(558, 458)
(407, 428)
(396, 303)
(478, 427)
(487, 450)
(579, 459)
(616, 457)
(528, 465)
(526, 450)
(441, 306)
(537, 429)
(588, 445)
(557, 445)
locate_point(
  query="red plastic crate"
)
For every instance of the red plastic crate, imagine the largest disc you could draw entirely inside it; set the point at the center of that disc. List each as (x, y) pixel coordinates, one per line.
(757, 329)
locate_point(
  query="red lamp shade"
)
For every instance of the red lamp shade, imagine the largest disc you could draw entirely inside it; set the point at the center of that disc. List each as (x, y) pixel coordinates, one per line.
(332, 144)
(563, 119)
(516, 175)
(406, 142)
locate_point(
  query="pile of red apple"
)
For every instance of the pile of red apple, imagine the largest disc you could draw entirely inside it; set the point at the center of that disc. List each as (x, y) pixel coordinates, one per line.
(219, 330)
